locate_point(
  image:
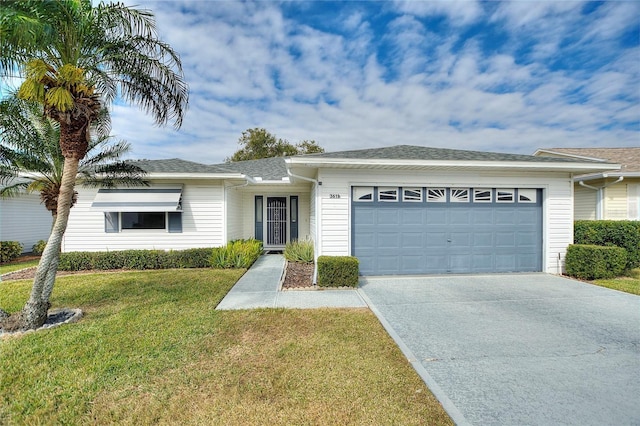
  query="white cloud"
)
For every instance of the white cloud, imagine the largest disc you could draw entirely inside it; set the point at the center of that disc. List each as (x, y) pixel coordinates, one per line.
(248, 65)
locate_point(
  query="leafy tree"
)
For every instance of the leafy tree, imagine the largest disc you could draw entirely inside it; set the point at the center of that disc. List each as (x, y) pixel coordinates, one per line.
(75, 58)
(31, 149)
(259, 143)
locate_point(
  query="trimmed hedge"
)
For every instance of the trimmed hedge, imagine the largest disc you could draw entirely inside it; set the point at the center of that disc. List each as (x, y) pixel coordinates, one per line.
(135, 259)
(591, 262)
(338, 271)
(236, 254)
(620, 233)
(38, 248)
(9, 250)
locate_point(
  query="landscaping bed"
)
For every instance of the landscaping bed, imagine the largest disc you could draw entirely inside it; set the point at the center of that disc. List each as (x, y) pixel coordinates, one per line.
(298, 276)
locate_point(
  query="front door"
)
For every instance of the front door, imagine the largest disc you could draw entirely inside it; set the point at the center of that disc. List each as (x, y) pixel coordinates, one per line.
(276, 222)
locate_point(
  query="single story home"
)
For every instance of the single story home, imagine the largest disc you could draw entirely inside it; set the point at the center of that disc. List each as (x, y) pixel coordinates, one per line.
(400, 209)
(610, 194)
(24, 219)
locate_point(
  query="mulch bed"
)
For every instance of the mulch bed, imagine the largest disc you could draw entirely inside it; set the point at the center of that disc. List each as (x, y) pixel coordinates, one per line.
(298, 276)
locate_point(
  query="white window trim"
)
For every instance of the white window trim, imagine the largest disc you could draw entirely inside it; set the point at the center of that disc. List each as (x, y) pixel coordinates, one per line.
(478, 190)
(459, 200)
(442, 199)
(512, 191)
(411, 199)
(385, 189)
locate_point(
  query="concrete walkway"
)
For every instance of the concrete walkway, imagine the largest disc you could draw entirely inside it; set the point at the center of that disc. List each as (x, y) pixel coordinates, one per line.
(259, 288)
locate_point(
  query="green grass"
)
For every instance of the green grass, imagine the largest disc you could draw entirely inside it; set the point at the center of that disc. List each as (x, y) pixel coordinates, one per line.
(628, 284)
(16, 265)
(151, 349)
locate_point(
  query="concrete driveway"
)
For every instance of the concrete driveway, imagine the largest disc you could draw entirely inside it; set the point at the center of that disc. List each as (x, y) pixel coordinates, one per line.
(517, 349)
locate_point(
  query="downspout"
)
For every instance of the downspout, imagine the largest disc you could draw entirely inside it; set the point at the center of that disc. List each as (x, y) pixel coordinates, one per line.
(600, 194)
(316, 242)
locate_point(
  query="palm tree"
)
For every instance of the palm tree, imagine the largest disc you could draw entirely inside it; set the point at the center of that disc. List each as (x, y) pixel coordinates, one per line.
(74, 59)
(30, 147)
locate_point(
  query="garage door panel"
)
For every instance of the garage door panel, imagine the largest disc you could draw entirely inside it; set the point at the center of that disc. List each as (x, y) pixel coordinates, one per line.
(483, 240)
(413, 217)
(438, 240)
(482, 217)
(388, 241)
(505, 239)
(506, 217)
(412, 240)
(431, 237)
(459, 216)
(364, 216)
(388, 217)
(436, 216)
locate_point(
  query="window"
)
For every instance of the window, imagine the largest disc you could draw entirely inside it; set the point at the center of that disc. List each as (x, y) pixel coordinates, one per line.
(387, 194)
(527, 195)
(482, 195)
(128, 221)
(459, 195)
(146, 220)
(436, 195)
(362, 193)
(412, 194)
(505, 195)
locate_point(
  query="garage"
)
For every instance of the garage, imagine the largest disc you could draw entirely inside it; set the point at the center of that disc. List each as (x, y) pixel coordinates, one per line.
(446, 230)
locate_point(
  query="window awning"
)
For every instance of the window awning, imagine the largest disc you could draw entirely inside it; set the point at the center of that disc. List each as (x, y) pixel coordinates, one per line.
(138, 200)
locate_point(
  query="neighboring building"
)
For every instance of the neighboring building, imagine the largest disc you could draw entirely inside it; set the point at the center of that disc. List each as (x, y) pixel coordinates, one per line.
(400, 210)
(25, 219)
(610, 194)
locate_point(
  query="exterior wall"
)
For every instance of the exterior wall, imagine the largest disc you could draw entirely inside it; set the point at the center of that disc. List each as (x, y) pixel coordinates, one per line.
(24, 219)
(619, 202)
(248, 194)
(633, 200)
(234, 205)
(584, 203)
(615, 202)
(202, 223)
(335, 199)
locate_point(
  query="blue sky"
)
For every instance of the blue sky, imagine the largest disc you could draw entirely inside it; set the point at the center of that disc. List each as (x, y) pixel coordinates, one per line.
(491, 76)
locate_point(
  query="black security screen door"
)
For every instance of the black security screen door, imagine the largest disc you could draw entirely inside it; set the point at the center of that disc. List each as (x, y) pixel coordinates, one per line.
(276, 221)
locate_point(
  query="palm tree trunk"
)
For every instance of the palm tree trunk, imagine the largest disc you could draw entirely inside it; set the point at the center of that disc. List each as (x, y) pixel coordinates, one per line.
(34, 312)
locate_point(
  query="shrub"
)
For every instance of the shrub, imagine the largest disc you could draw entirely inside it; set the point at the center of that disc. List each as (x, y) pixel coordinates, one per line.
(299, 251)
(236, 254)
(9, 250)
(591, 262)
(135, 259)
(338, 271)
(620, 233)
(38, 248)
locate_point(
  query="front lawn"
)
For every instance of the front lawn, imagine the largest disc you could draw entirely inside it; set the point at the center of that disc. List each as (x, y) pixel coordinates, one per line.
(18, 264)
(628, 284)
(151, 349)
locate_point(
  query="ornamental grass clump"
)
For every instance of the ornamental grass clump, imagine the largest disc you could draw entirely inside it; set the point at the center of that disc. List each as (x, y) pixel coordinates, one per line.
(299, 251)
(236, 254)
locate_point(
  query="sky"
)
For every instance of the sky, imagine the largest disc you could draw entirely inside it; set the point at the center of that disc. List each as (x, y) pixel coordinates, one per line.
(488, 76)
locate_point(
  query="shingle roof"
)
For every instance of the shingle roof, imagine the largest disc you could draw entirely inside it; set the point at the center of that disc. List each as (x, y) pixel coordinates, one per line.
(176, 165)
(411, 152)
(628, 158)
(266, 168)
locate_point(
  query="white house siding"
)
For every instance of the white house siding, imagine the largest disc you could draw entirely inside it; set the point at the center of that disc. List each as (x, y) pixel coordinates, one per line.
(633, 200)
(202, 223)
(248, 203)
(585, 202)
(24, 219)
(335, 194)
(615, 202)
(233, 207)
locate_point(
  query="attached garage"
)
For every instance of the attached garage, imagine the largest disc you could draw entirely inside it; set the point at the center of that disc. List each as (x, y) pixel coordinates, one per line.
(440, 230)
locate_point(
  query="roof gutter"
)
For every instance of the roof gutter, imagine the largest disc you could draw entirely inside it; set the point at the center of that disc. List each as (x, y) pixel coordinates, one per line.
(316, 242)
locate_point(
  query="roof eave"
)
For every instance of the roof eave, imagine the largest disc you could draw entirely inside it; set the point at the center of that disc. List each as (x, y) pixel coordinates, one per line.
(194, 176)
(610, 174)
(573, 167)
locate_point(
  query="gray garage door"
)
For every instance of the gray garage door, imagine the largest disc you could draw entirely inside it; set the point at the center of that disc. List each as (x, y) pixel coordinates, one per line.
(430, 230)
